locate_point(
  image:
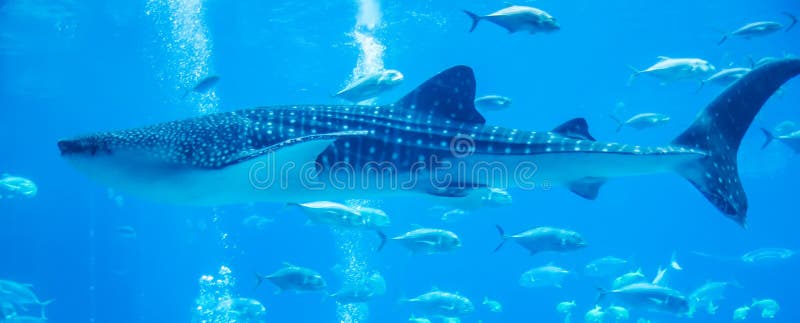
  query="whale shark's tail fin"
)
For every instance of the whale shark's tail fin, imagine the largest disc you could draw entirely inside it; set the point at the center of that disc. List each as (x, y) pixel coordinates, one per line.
(718, 130)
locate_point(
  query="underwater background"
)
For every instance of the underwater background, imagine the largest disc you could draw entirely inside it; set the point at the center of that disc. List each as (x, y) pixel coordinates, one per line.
(75, 67)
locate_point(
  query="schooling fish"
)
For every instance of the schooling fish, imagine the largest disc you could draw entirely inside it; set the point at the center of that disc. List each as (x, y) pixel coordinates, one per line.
(544, 239)
(518, 18)
(492, 102)
(672, 69)
(302, 153)
(791, 139)
(203, 86)
(371, 86)
(757, 29)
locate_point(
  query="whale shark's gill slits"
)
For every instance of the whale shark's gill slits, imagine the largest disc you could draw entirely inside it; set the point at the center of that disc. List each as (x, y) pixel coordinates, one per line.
(719, 130)
(448, 96)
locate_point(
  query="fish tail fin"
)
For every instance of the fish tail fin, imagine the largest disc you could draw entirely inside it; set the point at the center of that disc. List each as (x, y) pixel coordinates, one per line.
(503, 237)
(718, 130)
(601, 294)
(618, 121)
(259, 280)
(634, 73)
(793, 18)
(43, 306)
(673, 261)
(475, 19)
(383, 238)
(769, 137)
(723, 39)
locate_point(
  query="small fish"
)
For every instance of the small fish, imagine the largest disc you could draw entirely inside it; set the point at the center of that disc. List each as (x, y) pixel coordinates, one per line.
(24, 319)
(17, 187)
(126, 232)
(628, 279)
(544, 239)
(673, 262)
(785, 127)
(474, 199)
(768, 307)
(544, 276)
(651, 298)
(370, 86)
(429, 241)
(203, 86)
(518, 18)
(618, 313)
(242, 309)
(492, 102)
(740, 314)
(257, 222)
(340, 215)
(594, 315)
(440, 303)
(661, 276)
(642, 121)
(757, 29)
(605, 267)
(20, 294)
(792, 140)
(294, 278)
(705, 296)
(414, 319)
(492, 305)
(726, 76)
(673, 69)
(566, 307)
(361, 291)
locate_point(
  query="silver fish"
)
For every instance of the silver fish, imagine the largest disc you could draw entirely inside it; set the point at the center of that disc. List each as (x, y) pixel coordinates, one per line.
(518, 18)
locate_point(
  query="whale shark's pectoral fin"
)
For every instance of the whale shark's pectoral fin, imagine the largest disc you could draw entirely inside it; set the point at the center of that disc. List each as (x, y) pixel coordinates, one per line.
(298, 150)
(576, 128)
(588, 187)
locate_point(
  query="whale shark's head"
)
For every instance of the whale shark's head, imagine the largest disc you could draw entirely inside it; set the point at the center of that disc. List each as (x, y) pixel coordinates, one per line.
(83, 147)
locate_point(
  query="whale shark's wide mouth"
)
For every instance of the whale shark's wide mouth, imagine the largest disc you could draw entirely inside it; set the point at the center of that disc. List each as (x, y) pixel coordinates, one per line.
(79, 146)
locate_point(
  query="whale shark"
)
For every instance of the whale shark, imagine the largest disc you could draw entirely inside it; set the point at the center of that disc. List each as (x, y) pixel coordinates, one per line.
(431, 142)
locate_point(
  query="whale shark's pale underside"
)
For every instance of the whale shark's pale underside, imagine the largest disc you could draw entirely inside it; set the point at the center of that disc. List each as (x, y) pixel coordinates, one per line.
(432, 141)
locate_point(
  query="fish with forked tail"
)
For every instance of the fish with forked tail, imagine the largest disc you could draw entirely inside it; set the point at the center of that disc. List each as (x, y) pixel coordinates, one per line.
(295, 153)
(544, 239)
(518, 18)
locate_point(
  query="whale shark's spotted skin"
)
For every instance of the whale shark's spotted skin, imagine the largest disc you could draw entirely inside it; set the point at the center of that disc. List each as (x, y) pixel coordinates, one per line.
(431, 121)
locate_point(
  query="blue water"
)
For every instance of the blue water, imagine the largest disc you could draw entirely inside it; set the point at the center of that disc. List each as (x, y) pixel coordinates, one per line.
(69, 68)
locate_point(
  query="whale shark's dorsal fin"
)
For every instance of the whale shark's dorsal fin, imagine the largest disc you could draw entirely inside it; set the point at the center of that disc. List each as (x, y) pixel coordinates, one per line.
(449, 95)
(576, 128)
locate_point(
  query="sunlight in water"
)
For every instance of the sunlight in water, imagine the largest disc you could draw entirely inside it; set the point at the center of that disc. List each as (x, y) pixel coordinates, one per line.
(351, 243)
(370, 57)
(213, 291)
(183, 35)
(353, 266)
